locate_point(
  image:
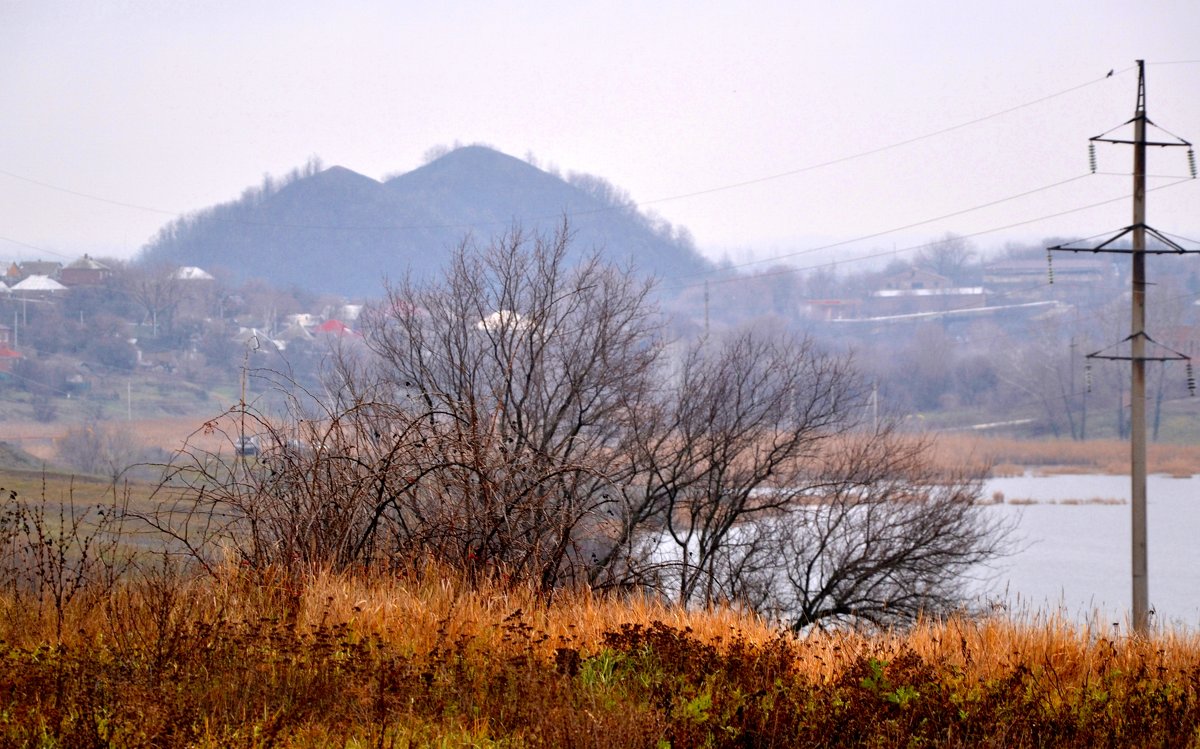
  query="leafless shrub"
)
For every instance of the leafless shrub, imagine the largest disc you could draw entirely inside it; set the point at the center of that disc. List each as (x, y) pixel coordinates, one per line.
(521, 370)
(728, 440)
(520, 421)
(892, 538)
(55, 553)
(98, 448)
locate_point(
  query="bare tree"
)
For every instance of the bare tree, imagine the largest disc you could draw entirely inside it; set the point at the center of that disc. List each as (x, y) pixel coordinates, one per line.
(1166, 324)
(774, 487)
(476, 425)
(524, 366)
(951, 256)
(730, 440)
(1043, 373)
(99, 448)
(157, 290)
(520, 419)
(318, 487)
(886, 539)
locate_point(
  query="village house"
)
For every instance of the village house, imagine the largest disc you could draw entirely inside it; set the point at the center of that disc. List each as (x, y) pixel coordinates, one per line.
(8, 356)
(18, 272)
(1029, 277)
(192, 273)
(37, 287)
(826, 310)
(86, 271)
(916, 290)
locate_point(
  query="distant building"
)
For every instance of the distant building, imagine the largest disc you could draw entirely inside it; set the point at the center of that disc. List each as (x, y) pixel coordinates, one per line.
(47, 268)
(334, 327)
(294, 331)
(192, 273)
(916, 279)
(1009, 274)
(8, 359)
(256, 339)
(305, 320)
(195, 286)
(38, 286)
(86, 271)
(831, 309)
(915, 291)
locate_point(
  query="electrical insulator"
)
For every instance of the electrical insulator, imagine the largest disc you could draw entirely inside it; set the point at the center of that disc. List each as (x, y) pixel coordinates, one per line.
(1049, 267)
(1191, 379)
(1087, 377)
(1092, 156)
(1192, 162)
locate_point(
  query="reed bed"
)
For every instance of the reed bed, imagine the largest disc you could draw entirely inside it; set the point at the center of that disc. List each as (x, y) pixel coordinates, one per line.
(424, 658)
(1007, 457)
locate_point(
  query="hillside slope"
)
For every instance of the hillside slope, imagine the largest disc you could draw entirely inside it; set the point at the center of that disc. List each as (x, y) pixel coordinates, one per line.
(339, 231)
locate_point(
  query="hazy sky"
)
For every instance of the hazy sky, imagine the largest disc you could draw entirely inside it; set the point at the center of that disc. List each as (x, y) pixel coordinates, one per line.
(119, 114)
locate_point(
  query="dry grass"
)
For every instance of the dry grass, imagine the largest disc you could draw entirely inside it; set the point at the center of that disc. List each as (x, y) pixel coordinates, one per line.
(1009, 457)
(427, 660)
(169, 433)
(63, 488)
(1005, 457)
(418, 610)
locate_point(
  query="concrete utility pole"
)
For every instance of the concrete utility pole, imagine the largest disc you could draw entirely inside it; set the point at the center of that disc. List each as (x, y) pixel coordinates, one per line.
(1137, 356)
(1138, 338)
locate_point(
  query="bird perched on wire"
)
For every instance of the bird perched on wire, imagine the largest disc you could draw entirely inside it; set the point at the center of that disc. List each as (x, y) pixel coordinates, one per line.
(1110, 73)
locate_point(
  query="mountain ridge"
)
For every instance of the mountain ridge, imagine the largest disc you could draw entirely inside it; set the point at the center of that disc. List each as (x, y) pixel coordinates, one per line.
(335, 230)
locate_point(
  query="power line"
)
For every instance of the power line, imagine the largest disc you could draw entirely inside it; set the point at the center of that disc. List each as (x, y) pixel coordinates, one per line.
(89, 196)
(35, 247)
(775, 258)
(881, 149)
(810, 250)
(681, 196)
(910, 248)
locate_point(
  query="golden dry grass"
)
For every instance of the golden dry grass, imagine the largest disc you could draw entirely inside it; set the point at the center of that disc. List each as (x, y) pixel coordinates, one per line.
(430, 660)
(419, 612)
(168, 433)
(1011, 457)
(438, 605)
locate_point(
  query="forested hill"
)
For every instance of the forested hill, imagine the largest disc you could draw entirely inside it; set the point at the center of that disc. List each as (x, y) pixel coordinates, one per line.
(334, 230)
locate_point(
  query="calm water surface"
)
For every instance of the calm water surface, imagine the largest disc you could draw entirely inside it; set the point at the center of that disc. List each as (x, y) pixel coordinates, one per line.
(1074, 558)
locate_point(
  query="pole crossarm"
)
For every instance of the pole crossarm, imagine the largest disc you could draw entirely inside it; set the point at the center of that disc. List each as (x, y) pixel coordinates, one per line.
(1161, 144)
(1170, 355)
(1170, 246)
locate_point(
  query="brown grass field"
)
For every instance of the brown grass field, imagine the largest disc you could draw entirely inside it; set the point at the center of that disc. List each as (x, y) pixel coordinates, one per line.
(168, 433)
(418, 657)
(422, 659)
(1004, 456)
(1009, 456)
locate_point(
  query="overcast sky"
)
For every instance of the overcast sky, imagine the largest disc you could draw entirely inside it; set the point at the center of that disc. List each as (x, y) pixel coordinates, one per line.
(717, 116)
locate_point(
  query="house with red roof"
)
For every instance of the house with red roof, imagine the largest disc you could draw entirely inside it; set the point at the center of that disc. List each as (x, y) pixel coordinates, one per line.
(8, 356)
(334, 327)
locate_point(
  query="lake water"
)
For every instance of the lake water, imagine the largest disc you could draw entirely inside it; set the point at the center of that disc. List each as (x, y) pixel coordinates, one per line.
(1074, 558)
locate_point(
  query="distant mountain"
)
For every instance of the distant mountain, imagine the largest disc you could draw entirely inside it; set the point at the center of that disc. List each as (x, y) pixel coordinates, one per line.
(333, 230)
